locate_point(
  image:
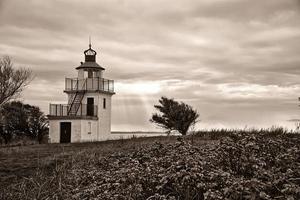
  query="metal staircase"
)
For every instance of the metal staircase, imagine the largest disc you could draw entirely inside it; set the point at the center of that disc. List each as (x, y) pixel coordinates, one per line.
(75, 100)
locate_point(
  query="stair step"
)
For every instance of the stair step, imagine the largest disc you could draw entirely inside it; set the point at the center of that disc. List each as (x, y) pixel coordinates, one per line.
(75, 103)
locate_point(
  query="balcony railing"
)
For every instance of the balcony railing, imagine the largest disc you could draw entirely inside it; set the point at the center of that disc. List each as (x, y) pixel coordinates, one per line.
(81, 110)
(94, 84)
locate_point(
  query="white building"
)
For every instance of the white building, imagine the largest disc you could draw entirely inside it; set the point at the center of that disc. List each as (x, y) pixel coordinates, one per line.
(87, 116)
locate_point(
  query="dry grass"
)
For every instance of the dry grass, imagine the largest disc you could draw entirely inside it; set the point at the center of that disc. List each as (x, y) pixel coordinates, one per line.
(34, 168)
(154, 168)
(23, 161)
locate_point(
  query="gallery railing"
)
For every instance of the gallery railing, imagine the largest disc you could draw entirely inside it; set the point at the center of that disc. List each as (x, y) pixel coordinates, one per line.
(94, 84)
(82, 110)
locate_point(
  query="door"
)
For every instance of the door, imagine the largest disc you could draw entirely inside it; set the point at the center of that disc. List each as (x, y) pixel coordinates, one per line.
(90, 106)
(65, 132)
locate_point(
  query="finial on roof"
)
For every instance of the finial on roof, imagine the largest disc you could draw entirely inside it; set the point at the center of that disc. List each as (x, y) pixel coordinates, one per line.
(90, 54)
(90, 45)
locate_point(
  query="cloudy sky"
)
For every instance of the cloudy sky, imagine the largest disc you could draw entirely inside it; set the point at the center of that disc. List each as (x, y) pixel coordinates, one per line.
(236, 61)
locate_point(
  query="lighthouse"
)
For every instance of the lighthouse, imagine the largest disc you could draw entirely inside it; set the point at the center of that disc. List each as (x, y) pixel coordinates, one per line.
(87, 115)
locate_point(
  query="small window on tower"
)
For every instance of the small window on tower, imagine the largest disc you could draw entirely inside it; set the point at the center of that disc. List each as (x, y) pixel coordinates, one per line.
(104, 103)
(89, 128)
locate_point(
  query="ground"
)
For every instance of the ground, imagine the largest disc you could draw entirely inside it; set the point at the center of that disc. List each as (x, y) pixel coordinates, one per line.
(251, 166)
(23, 161)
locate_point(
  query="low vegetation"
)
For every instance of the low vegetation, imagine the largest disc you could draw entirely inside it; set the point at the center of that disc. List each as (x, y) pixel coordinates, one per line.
(258, 165)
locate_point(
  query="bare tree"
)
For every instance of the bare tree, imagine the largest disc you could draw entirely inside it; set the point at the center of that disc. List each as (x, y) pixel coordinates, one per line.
(12, 81)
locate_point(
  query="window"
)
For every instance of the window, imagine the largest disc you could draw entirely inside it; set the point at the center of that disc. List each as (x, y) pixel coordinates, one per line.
(90, 128)
(90, 107)
(90, 74)
(104, 103)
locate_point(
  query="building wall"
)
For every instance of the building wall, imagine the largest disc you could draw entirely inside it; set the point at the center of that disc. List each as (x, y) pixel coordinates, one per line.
(104, 115)
(54, 130)
(100, 129)
(89, 130)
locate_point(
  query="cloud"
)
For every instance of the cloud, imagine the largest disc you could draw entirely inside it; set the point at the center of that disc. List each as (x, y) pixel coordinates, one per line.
(218, 55)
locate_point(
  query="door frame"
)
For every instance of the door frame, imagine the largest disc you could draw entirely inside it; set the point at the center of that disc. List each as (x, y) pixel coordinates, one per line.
(67, 139)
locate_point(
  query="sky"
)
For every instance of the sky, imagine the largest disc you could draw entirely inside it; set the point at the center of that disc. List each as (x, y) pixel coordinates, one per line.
(235, 61)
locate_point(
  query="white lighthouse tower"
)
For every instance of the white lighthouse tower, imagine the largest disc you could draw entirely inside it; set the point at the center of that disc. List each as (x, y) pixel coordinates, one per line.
(87, 116)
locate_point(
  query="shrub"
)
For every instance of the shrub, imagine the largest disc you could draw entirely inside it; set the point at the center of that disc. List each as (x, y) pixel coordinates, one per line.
(248, 166)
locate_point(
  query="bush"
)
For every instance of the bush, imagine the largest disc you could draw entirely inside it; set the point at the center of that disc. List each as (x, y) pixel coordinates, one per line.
(216, 134)
(241, 167)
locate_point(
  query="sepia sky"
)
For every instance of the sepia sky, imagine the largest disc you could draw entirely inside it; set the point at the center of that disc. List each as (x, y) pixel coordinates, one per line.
(236, 61)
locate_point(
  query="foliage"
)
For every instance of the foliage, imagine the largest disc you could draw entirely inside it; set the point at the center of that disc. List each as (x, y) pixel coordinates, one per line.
(174, 115)
(12, 81)
(37, 123)
(20, 119)
(216, 134)
(237, 167)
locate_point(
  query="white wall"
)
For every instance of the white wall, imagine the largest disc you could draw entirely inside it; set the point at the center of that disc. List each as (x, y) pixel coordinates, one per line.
(104, 115)
(54, 130)
(89, 134)
(101, 128)
(80, 132)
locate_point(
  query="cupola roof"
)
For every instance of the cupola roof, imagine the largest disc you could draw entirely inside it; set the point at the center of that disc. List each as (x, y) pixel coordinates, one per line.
(90, 60)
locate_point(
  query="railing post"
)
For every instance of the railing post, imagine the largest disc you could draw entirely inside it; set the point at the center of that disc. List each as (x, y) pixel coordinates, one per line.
(103, 84)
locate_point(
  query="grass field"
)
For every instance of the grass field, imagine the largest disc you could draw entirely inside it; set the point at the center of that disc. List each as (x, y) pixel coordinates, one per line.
(250, 166)
(23, 161)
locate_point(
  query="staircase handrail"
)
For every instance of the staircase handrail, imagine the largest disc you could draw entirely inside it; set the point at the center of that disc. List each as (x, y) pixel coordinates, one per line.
(77, 92)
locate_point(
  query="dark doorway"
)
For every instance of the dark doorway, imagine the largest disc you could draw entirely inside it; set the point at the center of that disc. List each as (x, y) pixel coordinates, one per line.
(90, 74)
(90, 106)
(65, 132)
